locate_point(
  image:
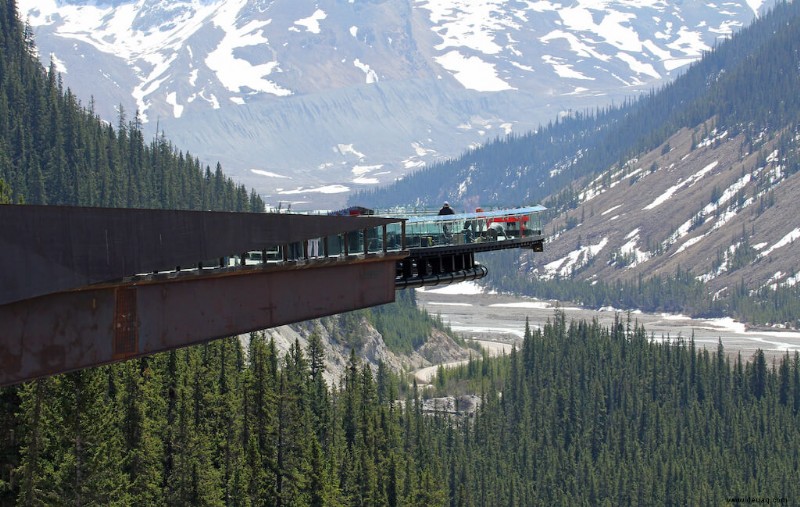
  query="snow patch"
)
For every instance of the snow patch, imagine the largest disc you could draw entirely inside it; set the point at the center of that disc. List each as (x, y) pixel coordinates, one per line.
(365, 181)
(473, 73)
(563, 69)
(786, 240)
(268, 174)
(235, 73)
(370, 75)
(632, 252)
(713, 137)
(60, 66)
(688, 182)
(177, 109)
(359, 170)
(440, 303)
(576, 44)
(540, 305)
(344, 149)
(469, 288)
(755, 5)
(633, 233)
(311, 23)
(469, 25)
(573, 261)
(326, 189)
(688, 243)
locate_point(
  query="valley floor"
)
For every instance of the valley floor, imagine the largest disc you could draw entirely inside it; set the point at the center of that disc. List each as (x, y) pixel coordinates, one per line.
(499, 320)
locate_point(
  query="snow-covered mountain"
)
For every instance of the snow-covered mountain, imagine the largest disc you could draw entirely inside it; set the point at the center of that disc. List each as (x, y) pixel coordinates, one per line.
(307, 100)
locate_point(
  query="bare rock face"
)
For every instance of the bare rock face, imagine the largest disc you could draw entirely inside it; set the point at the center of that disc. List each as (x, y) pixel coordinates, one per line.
(439, 348)
(374, 350)
(465, 405)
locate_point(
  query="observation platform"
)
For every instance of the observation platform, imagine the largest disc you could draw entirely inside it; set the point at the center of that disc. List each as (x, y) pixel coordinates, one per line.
(442, 248)
(82, 287)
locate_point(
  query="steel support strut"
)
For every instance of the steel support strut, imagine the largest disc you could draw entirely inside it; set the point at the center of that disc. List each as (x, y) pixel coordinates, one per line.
(93, 326)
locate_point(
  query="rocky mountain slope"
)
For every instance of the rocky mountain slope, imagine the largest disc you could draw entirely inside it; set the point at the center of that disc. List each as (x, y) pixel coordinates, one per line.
(710, 203)
(439, 348)
(306, 101)
(700, 175)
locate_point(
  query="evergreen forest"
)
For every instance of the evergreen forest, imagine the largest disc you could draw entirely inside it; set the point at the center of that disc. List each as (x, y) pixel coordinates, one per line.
(578, 415)
(55, 150)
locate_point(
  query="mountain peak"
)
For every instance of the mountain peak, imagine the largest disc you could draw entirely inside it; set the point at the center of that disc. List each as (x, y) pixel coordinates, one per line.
(433, 66)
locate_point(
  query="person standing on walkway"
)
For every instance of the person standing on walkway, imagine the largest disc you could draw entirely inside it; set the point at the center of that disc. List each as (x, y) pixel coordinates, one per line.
(446, 210)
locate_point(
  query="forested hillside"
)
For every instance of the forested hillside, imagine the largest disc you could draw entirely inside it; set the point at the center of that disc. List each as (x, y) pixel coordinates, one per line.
(580, 415)
(54, 150)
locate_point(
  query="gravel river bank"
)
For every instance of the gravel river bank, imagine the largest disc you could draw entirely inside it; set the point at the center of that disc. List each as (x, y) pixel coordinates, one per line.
(498, 321)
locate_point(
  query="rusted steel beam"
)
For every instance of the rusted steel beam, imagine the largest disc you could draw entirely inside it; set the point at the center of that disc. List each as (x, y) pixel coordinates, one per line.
(67, 331)
(47, 249)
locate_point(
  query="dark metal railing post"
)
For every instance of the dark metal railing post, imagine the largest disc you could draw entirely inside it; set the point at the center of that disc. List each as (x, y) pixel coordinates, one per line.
(346, 245)
(325, 251)
(385, 238)
(403, 235)
(366, 242)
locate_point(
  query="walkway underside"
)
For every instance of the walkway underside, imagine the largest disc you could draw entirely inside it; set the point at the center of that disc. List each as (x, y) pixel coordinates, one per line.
(101, 324)
(446, 264)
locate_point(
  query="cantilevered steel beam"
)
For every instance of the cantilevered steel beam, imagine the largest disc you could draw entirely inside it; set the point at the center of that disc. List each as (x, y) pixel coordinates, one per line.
(96, 325)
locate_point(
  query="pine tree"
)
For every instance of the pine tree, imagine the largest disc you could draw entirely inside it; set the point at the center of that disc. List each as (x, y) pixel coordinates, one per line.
(293, 432)
(758, 376)
(144, 409)
(318, 388)
(87, 464)
(5, 191)
(193, 479)
(40, 443)
(259, 405)
(9, 447)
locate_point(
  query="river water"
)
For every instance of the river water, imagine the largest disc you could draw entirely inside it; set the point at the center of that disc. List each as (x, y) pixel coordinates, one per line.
(498, 321)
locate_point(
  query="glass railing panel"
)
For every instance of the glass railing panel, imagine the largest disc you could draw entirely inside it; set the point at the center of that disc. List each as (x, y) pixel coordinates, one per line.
(420, 231)
(535, 224)
(375, 239)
